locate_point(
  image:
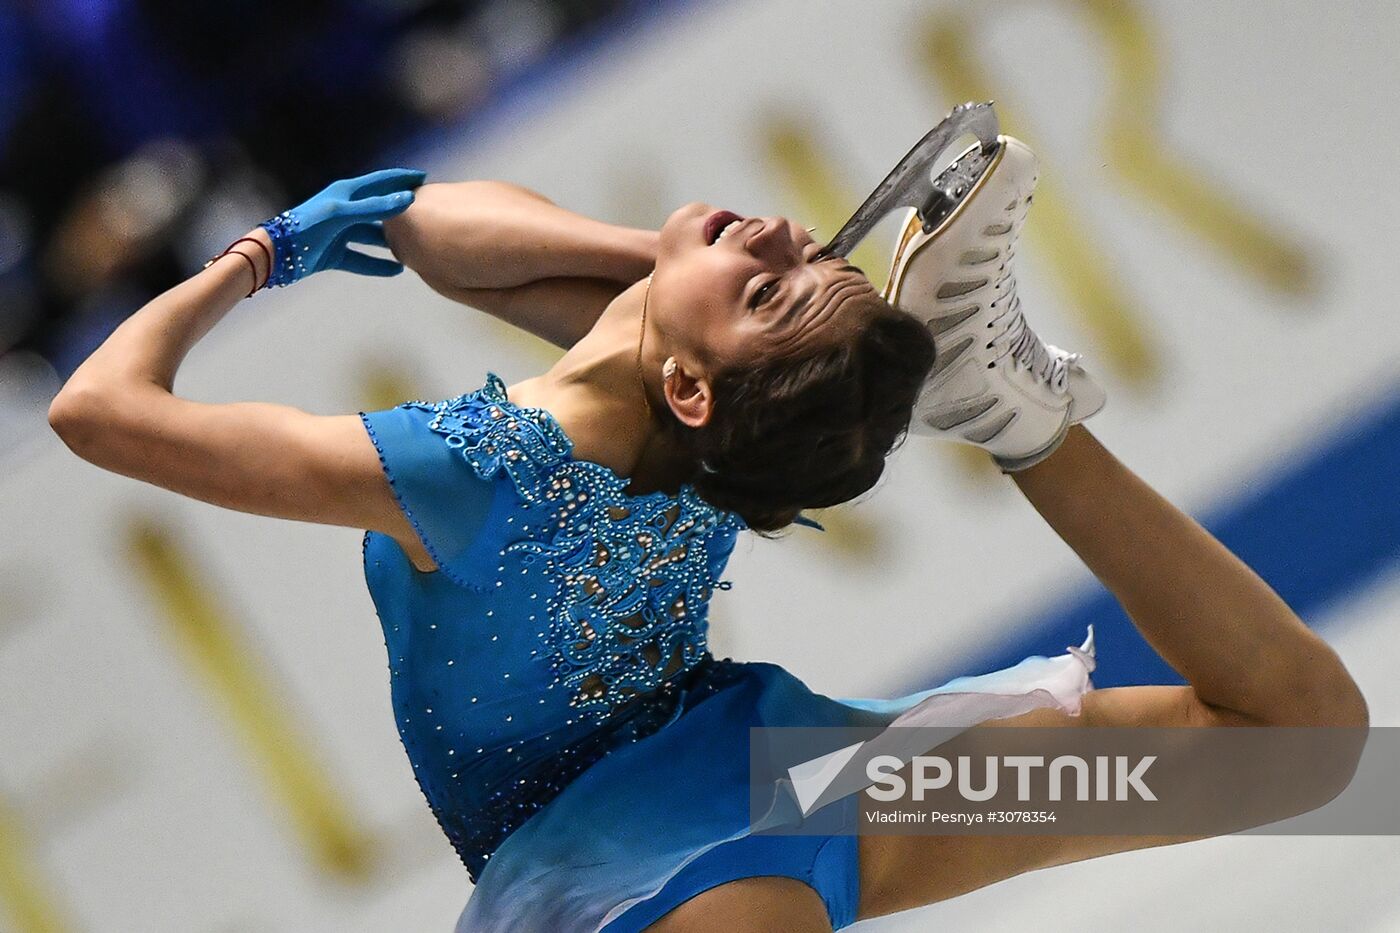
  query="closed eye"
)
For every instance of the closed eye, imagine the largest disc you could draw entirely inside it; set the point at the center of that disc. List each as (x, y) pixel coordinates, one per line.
(763, 293)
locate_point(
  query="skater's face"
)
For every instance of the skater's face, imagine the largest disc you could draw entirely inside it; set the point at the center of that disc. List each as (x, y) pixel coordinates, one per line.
(756, 292)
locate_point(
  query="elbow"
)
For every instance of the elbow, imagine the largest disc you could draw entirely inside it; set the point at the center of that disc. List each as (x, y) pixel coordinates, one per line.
(1337, 749)
(1315, 689)
(80, 414)
(1320, 750)
(1350, 708)
(1335, 699)
(67, 413)
(1339, 727)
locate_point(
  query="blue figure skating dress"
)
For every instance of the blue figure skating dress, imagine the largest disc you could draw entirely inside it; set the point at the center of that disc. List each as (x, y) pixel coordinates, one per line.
(582, 749)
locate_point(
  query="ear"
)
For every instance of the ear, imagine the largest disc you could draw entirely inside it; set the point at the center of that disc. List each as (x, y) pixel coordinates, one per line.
(689, 397)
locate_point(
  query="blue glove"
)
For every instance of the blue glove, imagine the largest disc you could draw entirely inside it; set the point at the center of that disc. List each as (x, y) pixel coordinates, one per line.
(316, 235)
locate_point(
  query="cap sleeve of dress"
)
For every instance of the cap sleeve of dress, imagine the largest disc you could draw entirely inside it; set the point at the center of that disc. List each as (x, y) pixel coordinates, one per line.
(457, 468)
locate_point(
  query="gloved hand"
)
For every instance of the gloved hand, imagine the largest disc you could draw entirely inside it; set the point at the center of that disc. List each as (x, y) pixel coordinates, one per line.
(315, 236)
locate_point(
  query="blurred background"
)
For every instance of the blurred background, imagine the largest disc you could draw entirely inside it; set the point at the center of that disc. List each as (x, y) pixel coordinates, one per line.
(195, 732)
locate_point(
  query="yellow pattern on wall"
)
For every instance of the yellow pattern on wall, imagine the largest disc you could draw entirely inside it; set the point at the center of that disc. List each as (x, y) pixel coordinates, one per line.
(1143, 157)
(24, 897)
(847, 532)
(1059, 235)
(385, 386)
(218, 652)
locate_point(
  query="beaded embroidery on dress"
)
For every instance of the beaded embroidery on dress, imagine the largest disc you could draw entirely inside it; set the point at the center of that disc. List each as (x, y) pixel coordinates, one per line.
(632, 579)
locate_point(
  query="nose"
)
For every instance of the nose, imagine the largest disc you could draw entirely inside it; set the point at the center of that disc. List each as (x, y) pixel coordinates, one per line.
(774, 242)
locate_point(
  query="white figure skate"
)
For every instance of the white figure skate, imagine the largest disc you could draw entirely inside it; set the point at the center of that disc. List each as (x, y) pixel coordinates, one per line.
(994, 384)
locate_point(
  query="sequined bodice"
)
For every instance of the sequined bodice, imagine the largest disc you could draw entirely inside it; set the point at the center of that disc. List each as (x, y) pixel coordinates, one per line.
(570, 618)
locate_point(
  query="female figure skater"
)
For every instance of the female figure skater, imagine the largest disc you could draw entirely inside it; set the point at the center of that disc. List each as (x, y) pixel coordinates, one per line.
(542, 556)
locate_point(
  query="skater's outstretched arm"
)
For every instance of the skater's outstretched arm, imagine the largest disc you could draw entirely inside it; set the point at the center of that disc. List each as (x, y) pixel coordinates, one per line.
(516, 255)
(119, 411)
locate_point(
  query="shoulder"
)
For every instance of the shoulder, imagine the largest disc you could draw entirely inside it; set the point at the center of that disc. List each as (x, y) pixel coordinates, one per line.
(493, 435)
(459, 466)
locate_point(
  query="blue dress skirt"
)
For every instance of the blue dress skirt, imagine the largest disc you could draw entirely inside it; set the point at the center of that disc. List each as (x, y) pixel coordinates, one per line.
(584, 752)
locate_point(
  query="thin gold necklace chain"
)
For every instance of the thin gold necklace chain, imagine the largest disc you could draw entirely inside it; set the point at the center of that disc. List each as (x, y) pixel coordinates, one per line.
(641, 342)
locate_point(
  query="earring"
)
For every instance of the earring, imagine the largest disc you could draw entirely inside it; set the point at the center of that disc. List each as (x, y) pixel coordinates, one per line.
(668, 369)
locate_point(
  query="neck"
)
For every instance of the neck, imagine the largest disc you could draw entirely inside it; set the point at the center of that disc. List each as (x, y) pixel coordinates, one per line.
(597, 395)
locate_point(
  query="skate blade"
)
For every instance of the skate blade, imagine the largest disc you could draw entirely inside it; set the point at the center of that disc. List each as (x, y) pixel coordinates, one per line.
(911, 184)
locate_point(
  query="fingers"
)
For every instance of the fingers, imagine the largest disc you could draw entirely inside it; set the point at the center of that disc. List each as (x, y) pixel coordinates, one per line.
(361, 264)
(367, 234)
(380, 207)
(385, 181)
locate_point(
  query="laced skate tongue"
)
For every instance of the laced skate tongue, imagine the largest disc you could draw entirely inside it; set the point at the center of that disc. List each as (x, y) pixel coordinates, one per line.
(911, 184)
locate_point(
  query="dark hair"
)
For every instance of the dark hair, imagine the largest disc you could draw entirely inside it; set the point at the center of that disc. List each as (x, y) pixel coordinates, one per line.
(811, 431)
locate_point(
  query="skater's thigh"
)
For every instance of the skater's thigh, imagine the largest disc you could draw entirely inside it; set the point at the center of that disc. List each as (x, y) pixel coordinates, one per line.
(749, 905)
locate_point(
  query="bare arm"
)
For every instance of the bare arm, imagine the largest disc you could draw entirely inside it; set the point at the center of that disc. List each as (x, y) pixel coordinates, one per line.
(119, 412)
(516, 255)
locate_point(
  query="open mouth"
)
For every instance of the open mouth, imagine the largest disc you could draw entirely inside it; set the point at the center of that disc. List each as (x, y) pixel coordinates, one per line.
(718, 224)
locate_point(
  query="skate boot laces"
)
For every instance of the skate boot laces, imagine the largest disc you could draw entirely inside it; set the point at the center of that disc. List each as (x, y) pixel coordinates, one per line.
(1046, 362)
